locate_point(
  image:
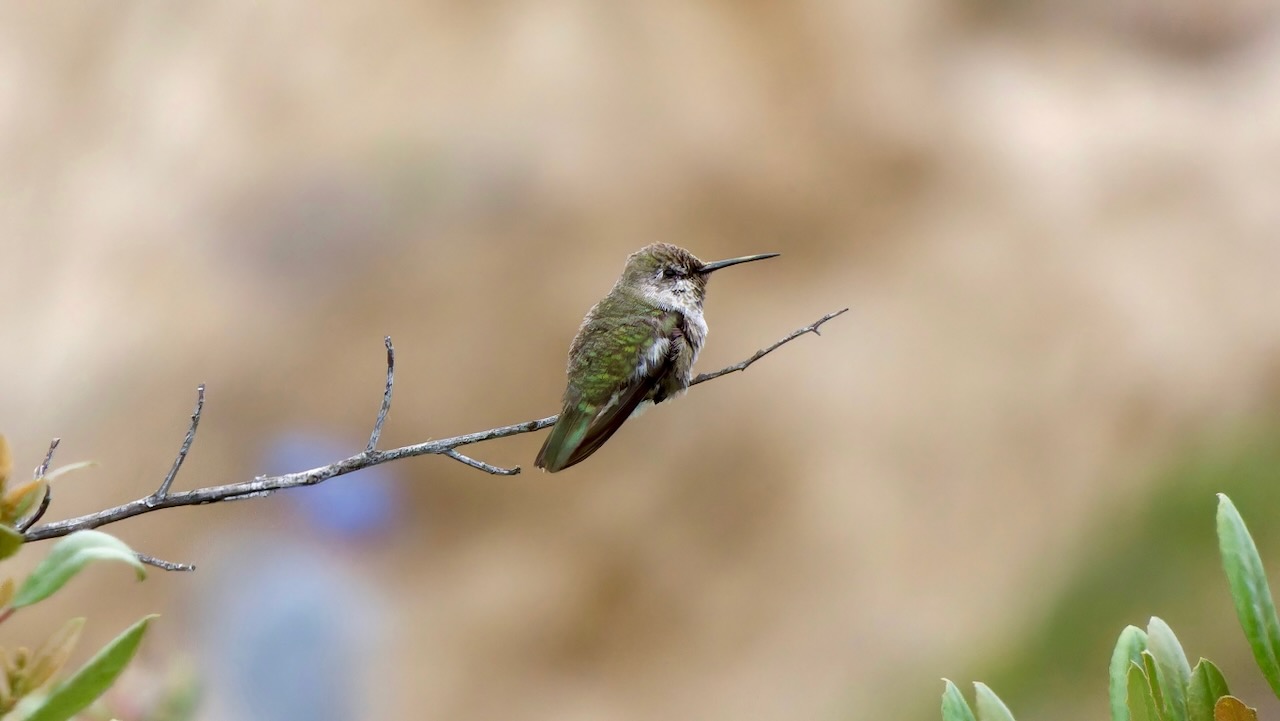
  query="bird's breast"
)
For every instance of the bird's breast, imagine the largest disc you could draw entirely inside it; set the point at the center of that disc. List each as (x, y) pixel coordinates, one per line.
(695, 330)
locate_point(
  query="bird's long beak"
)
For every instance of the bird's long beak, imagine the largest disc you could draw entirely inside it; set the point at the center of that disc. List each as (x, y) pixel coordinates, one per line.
(717, 265)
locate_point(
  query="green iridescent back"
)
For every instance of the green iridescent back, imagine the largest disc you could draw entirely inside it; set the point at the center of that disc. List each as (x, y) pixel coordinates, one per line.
(617, 333)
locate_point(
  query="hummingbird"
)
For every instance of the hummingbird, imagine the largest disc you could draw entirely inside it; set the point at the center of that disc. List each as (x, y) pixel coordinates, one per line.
(635, 349)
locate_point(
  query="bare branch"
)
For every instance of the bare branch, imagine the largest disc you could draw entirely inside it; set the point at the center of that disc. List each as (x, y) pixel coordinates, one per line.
(166, 565)
(163, 490)
(386, 396)
(266, 485)
(481, 465)
(811, 328)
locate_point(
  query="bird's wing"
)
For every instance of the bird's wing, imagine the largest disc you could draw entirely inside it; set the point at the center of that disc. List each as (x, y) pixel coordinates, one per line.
(637, 355)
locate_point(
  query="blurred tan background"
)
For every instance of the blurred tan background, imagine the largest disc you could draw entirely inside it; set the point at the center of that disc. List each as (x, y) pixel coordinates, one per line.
(1055, 223)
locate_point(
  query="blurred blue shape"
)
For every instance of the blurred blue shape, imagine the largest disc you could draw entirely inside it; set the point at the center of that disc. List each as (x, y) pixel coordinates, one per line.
(288, 632)
(358, 505)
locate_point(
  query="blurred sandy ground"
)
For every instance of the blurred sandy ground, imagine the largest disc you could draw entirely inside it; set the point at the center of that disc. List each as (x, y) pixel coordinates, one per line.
(1056, 224)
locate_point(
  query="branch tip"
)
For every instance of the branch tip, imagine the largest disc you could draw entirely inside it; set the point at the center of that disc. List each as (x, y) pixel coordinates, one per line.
(743, 365)
(163, 564)
(43, 468)
(163, 491)
(385, 408)
(481, 465)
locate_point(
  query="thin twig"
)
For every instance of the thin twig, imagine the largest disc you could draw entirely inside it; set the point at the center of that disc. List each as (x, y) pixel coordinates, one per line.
(40, 472)
(386, 396)
(30, 521)
(268, 484)
(163, 490)
(43, 468)
(811, 328)
(481, 465)
(166, 565)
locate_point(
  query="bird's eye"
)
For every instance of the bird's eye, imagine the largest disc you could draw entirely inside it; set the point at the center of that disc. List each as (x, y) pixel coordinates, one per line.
(672, 272)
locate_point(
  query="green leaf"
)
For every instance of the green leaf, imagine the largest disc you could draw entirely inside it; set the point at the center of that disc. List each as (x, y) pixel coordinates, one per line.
(26, 706)
(1230, 708)
(990, 707)
(10, 541)
(954, 707)
(66, 559)
(1172, 669)
(1152, 676)
(1141, 704)
(1207, 686)
(93, 679)
(69, 468)
(1254, 607)
(1129, 648)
